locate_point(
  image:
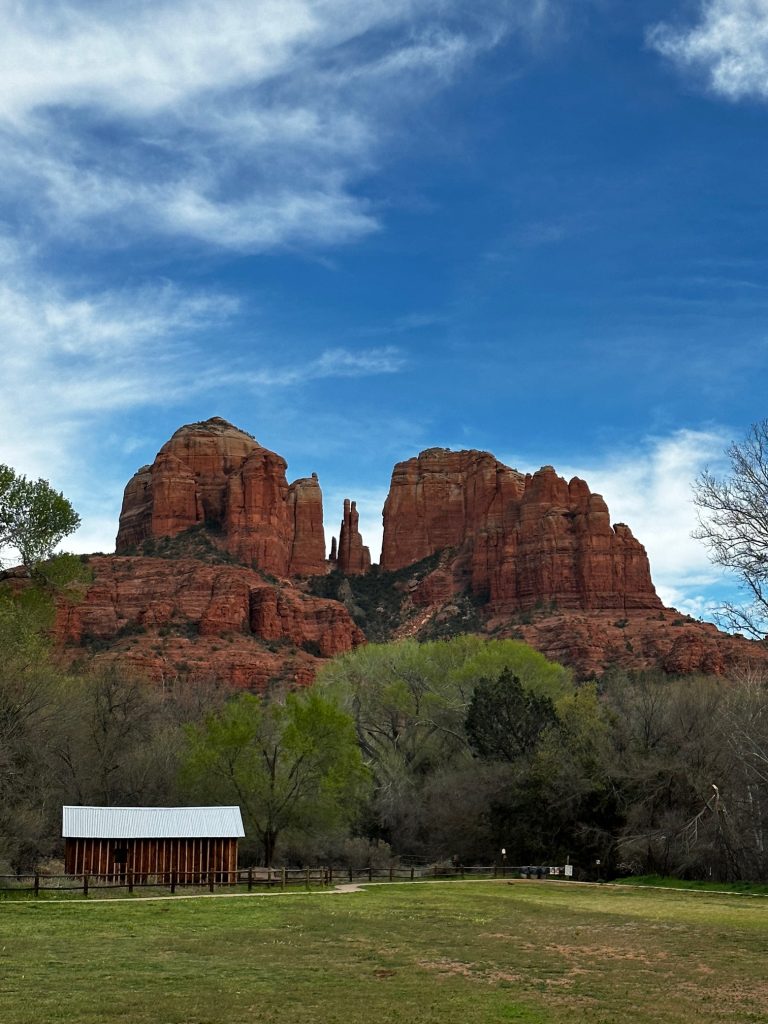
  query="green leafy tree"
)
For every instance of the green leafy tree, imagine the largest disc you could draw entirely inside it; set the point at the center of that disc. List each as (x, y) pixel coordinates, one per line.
(34, 518)
(409, 703)
(292, 767)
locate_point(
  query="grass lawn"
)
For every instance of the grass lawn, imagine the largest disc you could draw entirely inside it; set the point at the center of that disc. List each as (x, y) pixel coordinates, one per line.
(434, 953)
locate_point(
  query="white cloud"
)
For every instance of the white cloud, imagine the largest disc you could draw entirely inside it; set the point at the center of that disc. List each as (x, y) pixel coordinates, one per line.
(650, 489)
(244, 124)
(729, 45)
(70, 362)
(335, 362)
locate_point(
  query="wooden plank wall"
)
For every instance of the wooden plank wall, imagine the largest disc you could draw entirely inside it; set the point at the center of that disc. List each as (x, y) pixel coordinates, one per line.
(191, 859)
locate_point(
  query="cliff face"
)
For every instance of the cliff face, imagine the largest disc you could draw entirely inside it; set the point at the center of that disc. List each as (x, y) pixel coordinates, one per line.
(185, 617)
(520, 541)
(470, 545)
(215, 475)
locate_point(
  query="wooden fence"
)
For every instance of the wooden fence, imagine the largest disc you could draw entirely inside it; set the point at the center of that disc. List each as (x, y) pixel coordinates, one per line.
(252, 878)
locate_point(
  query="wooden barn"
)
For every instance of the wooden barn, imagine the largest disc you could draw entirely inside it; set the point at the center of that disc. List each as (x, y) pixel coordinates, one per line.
(190, 842)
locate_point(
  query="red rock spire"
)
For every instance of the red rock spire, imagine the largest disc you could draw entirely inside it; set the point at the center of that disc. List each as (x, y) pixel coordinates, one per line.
(353, 557)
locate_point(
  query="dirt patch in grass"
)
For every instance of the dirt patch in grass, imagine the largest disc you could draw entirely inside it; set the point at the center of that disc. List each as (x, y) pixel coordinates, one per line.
(458, 953)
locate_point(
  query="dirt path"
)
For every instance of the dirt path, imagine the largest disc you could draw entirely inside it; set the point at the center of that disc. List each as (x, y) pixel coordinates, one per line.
(347, 888)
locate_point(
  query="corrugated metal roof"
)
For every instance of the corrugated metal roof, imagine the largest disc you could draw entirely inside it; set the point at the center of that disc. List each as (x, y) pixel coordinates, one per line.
(151, 823)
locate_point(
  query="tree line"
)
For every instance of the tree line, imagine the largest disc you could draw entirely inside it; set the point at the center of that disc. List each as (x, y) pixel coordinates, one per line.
(444, 750)
(451, 749)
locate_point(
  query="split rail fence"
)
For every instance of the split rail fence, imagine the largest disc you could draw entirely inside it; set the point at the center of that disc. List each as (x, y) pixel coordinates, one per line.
(249, 879)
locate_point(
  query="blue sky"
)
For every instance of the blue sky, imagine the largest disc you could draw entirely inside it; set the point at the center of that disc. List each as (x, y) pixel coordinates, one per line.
(358, 230)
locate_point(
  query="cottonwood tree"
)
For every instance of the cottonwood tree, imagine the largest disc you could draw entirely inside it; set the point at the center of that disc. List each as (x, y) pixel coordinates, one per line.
(112, 743)
(292, 766)
(409, 702)
(733, 523)
(34, 518)
(27, 706)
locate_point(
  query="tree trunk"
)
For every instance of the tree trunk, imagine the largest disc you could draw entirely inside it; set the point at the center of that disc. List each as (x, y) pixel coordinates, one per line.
(270, 841)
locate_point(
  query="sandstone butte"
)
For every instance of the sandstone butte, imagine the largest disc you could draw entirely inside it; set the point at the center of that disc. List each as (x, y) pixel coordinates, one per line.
(534, 556)
(215, 475)
(520, 541)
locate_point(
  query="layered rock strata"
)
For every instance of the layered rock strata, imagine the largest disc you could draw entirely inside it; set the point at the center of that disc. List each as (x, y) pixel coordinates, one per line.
(477, 546)
(184, 617)
(214, 475)
(520, 540)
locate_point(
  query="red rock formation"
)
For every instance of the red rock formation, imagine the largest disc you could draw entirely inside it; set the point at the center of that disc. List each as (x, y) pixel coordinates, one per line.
(592, 642)
(217, 620)
(215, 475)
(353, 556)
(520, 540)
(324, 626)
(305, 505)
(514, 543)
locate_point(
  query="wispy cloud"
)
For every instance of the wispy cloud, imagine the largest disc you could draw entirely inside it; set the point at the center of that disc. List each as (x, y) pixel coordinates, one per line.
(334, 362)
(178, 125)
(69, 362)
(728, 45)
(240, 125)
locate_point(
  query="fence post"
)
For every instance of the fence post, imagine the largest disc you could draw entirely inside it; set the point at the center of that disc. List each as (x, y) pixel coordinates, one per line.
(173, 883)
(350, 872)
(412, 872)
(250, 879)
(37, 884)
(462, 871)
(370, 874)
(129, 876)
(85, 885)
(307, 878)
(435, 870)
(495, 871)
(210, 880)
(330, 875)
(282, 877)
(391, 873)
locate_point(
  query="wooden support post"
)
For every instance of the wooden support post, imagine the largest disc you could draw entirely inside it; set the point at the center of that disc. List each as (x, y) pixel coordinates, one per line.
(307, 878)
(85, 885)
(370, 873)
(462, 870)
(495, 871)
(391, 873)
(37, 884)
(435, 870)
(250, 879)
(282, 878)
(412, 872)
(173, 883)
(211, 877)
(350, 872)
(129, 875)
(330, 875)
